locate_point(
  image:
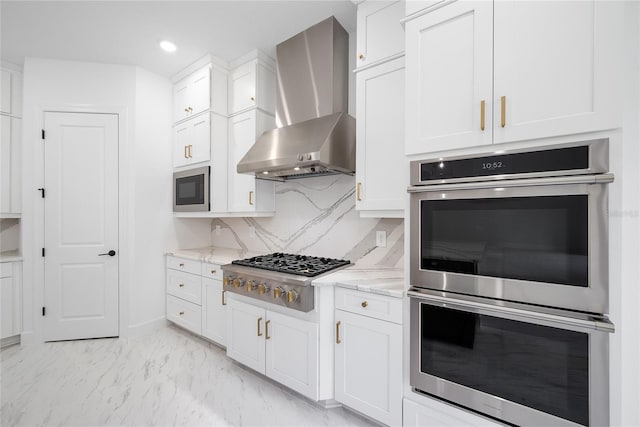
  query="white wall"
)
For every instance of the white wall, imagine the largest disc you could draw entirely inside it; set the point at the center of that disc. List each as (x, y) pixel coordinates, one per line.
(144, 171)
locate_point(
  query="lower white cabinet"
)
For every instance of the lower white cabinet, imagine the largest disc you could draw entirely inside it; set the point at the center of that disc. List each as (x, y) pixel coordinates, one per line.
(195, 299)
(279, 346)
(10, 301)
(432, 413)
(368, 355)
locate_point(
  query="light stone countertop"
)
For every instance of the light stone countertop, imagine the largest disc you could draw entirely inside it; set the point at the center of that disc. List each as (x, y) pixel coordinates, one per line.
(379, 280)
(212, 254)
(8, 256)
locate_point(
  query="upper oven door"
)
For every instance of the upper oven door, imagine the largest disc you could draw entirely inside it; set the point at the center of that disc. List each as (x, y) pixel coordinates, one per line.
(191, 190)
(538, 244)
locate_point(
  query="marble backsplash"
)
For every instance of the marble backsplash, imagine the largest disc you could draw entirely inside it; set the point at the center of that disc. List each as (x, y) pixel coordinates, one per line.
(315, 216)
(9, 234)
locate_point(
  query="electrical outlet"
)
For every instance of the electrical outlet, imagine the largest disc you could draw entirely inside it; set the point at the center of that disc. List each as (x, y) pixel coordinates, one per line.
(252, 231)
(218, 230)
(381, 239)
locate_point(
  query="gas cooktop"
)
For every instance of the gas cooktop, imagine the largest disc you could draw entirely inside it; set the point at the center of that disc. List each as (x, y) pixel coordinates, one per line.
(300, 265)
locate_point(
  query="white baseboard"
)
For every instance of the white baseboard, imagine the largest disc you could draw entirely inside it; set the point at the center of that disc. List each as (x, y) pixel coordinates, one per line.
(147, 327)
(6, 342)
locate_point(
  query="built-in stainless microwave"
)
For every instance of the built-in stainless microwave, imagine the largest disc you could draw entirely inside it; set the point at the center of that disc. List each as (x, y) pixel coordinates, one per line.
(191, 190)
(524, 226)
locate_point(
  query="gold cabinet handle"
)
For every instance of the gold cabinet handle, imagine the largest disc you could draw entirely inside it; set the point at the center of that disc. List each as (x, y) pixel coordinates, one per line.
(182, 313)
(482, 104)
(181, 264)
(359, 192)
(186, 109)
(181, 285)
(213, 272)
(338, 333)
(360, 56)
(186, 156)
(223, 301)
(259, 320)
(190, 109)
(252, 98)
(266, 330)
(503, 111)
(364, 304)
(190, 147)
(251, 198)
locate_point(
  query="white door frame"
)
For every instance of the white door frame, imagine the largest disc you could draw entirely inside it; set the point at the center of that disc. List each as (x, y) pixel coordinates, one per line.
(33, 217)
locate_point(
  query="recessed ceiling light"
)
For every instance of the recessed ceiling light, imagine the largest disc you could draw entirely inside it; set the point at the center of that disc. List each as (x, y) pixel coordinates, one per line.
(167, 46)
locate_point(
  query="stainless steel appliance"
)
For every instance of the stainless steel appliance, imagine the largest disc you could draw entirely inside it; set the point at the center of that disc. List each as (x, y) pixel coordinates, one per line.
(526, 226)
(509, 283)
(191, 190)
(315, 134)
(279, 278)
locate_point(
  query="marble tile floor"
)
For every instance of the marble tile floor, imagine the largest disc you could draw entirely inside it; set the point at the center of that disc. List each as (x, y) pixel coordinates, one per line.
(169, 377)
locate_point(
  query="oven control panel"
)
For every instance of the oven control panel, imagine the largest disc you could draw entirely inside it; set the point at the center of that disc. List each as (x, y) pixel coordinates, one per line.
(296, 296)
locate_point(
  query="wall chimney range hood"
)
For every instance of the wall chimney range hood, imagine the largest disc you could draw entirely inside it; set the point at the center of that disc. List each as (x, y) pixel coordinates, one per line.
(315, 134)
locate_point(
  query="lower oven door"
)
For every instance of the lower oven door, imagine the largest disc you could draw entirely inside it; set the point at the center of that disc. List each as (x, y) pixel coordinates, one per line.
(528, 368)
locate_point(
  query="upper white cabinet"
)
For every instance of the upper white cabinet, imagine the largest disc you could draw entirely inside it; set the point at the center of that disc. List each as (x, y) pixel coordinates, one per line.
(252, 84)
(11, 92)
(482, 72)
(10, 143)
(380, 102)
(379, 31)
(379, 139)
(245, 192)
(191, 95)
(191, 141)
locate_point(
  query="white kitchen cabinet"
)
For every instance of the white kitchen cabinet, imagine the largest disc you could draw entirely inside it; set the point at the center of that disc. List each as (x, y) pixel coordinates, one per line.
(192, 94)
(252, 85)
(432, 413)
(482, 72)
(10, 302)
(379, 31)
(368, 354)
(245, 192)
(192, 141)
(214, 311)
(379, 140)
(419, 6)
(282, 347)
(10, 158)
(11, 92)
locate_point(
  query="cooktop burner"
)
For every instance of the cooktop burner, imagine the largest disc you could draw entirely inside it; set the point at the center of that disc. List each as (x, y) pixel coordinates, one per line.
(309, 266)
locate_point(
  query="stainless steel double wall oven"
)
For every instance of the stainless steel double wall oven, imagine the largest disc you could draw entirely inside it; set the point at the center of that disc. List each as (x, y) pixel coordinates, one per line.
(509, 283)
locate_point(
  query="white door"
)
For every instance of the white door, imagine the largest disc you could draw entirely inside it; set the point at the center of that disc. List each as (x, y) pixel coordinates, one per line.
(81, 225)
(245, 334)
(449, 78)
(292, 353)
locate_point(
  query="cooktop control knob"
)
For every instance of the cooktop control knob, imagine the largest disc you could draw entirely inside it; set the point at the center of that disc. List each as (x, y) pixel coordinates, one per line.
(263, 288)
(237, 283)
(292, 296)
(226, 280)
(251, 285)
(278, 292)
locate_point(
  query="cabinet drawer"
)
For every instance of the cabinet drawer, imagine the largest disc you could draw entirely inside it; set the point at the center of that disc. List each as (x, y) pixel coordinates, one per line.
(212, 271)
(6, 269)
(185, 314)
(368, 304)
(184, 285)
(185, 265)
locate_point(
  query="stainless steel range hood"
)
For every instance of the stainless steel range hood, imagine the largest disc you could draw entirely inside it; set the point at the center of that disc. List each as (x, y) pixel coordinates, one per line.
(315, 134)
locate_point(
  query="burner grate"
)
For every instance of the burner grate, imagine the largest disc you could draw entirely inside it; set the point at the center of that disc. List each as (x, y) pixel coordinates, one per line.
(302, 265)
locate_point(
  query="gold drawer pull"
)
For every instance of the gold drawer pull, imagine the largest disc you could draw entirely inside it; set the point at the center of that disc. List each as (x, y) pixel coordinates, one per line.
(364, 304)
(252, 98)
(181, 265)
(266, 329)
(223, 301)
(482, 104)
(503, 111)
(338, 333)
(360, 56)
(259, 320)
(181, 285)
(359, 192)
(213, 272)
(182, 313)
(251, 198)
(186, 156)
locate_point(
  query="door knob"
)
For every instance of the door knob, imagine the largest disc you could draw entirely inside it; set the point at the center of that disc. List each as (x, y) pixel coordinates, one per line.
(110, 253)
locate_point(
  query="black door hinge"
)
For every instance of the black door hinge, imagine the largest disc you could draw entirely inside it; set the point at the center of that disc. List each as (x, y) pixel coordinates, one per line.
(42, 191)
(43, 311)
(42, 133)
(42, 251)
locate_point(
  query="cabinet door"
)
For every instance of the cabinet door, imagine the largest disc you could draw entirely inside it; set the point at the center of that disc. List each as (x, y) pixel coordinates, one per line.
(192, 95)
(380, 33)
(449, 78)
(292, 353)
(556, 81)
(214, 310)
(242, 187)
(5, 164)
(7, 309)
(380, 137)
(191, 141)
(242, 87)
(368, 366)
(245, 334)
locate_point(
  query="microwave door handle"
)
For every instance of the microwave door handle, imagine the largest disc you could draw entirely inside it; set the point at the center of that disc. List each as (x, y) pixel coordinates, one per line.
(512, 313)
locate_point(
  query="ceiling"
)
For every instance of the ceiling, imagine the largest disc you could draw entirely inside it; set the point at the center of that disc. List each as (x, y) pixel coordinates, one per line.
(128, 32)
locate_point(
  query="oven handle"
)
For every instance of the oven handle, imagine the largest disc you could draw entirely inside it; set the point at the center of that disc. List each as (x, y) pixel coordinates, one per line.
(604, 178)
(511, 313)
